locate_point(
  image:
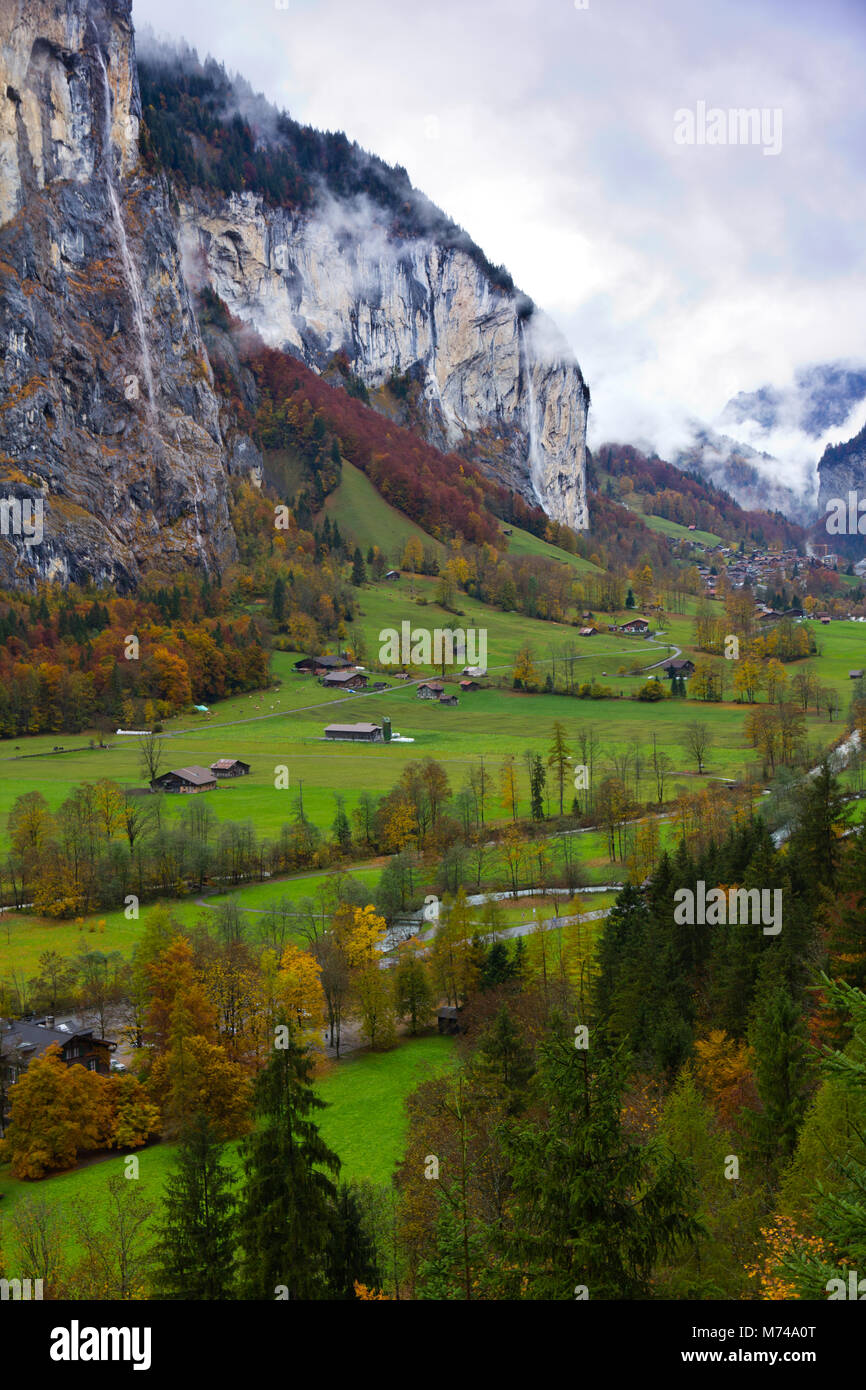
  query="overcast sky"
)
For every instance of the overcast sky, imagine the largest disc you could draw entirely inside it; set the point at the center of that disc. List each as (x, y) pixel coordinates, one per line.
(680, 273)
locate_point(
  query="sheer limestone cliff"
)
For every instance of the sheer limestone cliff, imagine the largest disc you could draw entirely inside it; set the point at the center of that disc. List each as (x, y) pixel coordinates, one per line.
(108, 416)
(497, 380)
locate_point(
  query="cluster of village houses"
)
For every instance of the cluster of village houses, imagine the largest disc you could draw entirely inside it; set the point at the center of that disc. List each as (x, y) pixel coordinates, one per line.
(341, 673)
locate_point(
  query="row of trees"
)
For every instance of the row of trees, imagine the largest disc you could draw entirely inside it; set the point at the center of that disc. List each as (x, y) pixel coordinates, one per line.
(70, 661)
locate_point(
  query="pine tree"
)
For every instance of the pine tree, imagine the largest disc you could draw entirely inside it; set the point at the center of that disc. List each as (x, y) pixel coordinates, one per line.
(837, 1209)
(342, 830)
(589, 1208)
(278, 599)
(359, 571)
(782, 1068)
(286, 1216)
(537, 781)
(351, 1254)
(503, 1056)
(815, 846)
(498, 967)
(197, 1241)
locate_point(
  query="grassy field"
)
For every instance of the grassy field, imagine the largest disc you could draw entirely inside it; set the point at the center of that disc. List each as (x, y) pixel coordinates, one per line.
(676, 532)
(363, 515)
(365, 1124)
(525, 543)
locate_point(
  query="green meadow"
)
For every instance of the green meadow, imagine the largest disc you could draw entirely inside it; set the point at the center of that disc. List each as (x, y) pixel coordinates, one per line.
(365, 1124)
(676, 532)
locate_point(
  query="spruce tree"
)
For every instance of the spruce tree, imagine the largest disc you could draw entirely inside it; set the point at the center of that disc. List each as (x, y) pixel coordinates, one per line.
(197, 1242)
(815, 846)
(782, 1067)
(589, 1207)
(504, 1057)
(351, 1254)
(286, 1216)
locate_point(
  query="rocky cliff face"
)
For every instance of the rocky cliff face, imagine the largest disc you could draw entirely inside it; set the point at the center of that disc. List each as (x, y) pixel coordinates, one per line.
(109, 423)
(497, 381)
(108, 418)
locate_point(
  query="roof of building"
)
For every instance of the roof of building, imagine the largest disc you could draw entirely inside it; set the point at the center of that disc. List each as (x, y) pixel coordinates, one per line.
(341, 676)
(32, 1039)
(223, 763)
(351, 728)
(198, 775)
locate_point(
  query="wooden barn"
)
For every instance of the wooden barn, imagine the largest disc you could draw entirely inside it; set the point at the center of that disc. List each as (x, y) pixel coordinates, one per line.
(320, 665)
(230, 767)
(355, 733)
(448, 1019)
(185, 779)
(345, 680)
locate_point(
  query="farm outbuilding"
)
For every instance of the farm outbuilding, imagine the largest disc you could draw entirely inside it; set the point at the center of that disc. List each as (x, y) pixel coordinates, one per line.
(345, 680)
(448, 1019)
(322, 664)
(355, 733)
(230, 767)
(185, 779)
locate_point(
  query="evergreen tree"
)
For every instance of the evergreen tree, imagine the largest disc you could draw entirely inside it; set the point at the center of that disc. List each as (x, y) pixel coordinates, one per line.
(351, 1254)
(286, 1215)
(815, 846)
(359, 571)
(504, 1057)
(498, 967)
(278, 599)
(838, 1208)
(589, 1207)
(341, 828)
(537, 781)
(197, 1242)
(782, 1068)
